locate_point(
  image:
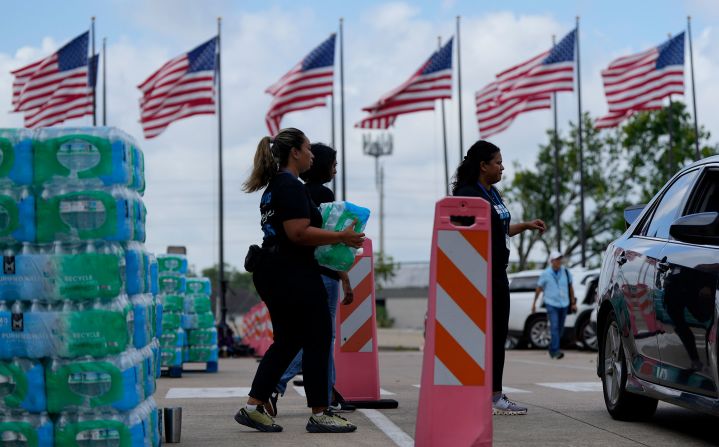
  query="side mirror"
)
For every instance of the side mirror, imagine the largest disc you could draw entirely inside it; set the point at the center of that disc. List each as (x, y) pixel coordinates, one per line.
(632, 212)
(700, 228)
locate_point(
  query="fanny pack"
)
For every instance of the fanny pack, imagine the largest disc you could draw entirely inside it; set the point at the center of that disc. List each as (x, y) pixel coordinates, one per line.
(253, 257)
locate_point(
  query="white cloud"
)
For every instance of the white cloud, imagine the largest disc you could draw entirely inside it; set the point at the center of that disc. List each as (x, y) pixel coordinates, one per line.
(384, 46)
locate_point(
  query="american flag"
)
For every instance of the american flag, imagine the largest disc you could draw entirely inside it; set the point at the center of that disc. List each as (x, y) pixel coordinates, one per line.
(494, 117)
(56, 88)
(526, 86)
(306, 86)
(432, 81)
(183, 87)
(642, 81)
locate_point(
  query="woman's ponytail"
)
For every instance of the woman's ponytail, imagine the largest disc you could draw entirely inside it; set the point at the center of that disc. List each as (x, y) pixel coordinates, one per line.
(264, 167)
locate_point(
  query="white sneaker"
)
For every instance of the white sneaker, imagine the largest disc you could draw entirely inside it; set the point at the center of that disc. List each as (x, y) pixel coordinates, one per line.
(506, 407)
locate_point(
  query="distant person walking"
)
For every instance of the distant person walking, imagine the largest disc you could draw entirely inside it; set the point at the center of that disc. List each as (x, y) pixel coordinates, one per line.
(288, 279)
(556, 283)
(477, 173)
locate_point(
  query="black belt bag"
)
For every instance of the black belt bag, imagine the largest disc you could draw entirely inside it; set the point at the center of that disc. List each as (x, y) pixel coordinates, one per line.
(253, 258)
(257, 255)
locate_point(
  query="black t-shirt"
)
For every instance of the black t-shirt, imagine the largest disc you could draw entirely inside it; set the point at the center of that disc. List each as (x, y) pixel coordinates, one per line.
(321, 194)
(500, 225)
(286, 198)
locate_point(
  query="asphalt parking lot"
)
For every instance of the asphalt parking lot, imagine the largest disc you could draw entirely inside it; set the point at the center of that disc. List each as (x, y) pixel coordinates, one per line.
(564, 398)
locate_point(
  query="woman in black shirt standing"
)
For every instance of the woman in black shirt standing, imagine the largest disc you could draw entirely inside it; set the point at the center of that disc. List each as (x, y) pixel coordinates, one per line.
(288, 280)
(481, 168)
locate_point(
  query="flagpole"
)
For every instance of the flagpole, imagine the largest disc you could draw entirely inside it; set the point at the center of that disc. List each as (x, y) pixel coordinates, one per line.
(694, 92)
(104, 82)
(221, 270)
(459, 94)
(94, 95)
(557, 213)
(332, 120)
(332, 107)
(342, 110)
(670, 130)
(444, 136)
(581, 154)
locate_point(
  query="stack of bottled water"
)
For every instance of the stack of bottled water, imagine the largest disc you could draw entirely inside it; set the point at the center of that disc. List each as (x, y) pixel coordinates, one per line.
(79, 319)
(172, 283)
(199, 322)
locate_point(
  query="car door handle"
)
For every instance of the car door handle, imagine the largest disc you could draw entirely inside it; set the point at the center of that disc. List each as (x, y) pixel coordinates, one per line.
(622, 258)
(663, 265)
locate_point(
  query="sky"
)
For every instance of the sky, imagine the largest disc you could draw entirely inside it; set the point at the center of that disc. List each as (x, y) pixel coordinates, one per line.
(385, 42)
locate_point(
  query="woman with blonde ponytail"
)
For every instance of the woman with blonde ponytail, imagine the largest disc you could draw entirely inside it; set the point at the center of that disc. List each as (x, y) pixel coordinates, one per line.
(288, 279)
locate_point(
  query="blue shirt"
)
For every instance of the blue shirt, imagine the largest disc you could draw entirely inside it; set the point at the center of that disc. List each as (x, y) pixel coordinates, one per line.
(555, 286)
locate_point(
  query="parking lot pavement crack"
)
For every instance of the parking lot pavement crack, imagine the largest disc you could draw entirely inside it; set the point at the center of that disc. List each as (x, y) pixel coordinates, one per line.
(591, 425)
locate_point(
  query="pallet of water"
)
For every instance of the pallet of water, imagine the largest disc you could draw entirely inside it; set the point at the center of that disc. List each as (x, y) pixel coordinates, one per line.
(79, 313)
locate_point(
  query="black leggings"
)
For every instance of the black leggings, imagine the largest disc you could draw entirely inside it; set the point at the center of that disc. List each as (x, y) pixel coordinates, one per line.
(500, 326)
(297, 301)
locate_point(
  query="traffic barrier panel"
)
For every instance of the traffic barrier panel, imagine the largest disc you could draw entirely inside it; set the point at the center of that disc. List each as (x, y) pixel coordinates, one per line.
(455, 401)
(356, 355)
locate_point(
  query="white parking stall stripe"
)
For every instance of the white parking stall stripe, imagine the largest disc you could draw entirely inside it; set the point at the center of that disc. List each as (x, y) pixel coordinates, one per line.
(300, 390)
(562, 365)
(206, 393)
(577, 387)
(400, 438)
(384, 392)
(505, 389)
(509, 389)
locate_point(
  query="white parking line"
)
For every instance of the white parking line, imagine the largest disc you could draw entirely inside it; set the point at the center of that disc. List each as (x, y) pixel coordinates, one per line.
(557, 363)
(577, 387)
(384, 392)
(400, 438)
(300, 390)
(509, 389)
(206, 393)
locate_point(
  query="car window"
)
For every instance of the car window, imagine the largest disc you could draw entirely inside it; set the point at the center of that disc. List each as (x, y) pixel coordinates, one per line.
(669, 206)
(523, 284)
(705, 197)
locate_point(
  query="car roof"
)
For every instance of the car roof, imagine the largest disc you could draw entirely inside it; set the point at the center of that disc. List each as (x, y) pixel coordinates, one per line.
(704, 161)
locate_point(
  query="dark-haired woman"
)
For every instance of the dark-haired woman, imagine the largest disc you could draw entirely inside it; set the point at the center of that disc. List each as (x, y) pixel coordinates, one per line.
(287, 278)
(477, 173)
(323, 170)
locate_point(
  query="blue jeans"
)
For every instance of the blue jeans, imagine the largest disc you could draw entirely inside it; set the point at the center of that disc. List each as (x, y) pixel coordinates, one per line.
(333, 288)
(556, 316)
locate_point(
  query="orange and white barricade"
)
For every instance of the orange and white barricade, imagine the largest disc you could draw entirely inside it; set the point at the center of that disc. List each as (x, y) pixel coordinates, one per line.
(356, 353)
(455, 401)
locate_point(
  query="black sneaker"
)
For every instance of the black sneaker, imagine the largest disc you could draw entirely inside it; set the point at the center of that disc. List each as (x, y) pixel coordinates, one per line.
(342, 407)
(328, 422)
(257, 419)
(271, 405)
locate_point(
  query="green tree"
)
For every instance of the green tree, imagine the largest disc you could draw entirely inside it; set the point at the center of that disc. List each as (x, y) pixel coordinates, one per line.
(645, 141)
(385, 269)
(532, 195)
(621, 167)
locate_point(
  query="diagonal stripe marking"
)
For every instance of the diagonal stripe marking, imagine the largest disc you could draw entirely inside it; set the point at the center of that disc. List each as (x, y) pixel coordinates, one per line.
(456, 359)
(460, 327)
(356, 320)
(462, 254)
(356, 341)
(463, 293)
(360, 270)
(442, 375)
(362, 290)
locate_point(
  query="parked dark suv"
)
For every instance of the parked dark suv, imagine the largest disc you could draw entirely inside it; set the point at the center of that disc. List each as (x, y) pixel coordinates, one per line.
(658, 300)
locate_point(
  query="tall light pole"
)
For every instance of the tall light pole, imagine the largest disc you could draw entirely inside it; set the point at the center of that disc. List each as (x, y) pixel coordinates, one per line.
(378, 147)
